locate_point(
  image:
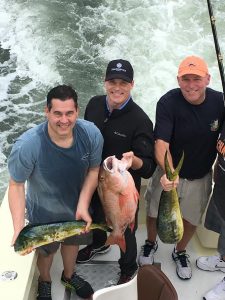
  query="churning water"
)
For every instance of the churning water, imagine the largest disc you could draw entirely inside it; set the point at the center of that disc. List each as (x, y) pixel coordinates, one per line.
(44, 43)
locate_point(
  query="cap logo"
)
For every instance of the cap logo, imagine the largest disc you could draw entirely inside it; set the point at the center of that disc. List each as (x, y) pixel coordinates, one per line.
(193, 65)
(119, 68)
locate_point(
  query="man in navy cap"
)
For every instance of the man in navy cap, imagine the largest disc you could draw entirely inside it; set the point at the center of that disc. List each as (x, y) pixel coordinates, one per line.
(128, 134)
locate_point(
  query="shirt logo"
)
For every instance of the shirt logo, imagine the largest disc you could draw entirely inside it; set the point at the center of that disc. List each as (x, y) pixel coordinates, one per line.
(85, 156)
(120, 134)
(214, 125)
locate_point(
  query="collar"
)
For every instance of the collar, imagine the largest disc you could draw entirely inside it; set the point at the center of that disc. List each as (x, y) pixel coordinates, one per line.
(121, 107)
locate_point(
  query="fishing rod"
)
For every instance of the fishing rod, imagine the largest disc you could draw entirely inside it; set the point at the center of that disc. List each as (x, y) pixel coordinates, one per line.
(216, 43)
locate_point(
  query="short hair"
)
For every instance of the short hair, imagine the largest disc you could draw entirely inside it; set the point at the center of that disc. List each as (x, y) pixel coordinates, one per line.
(61, 92)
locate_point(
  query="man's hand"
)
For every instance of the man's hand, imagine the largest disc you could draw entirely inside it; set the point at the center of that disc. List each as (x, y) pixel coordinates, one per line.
(83, 214)
(128, 159)
(168, 185)
(15, 235)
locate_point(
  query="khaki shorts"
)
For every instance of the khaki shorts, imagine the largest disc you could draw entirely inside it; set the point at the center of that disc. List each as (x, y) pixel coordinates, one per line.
(193, 196)
(83, 239)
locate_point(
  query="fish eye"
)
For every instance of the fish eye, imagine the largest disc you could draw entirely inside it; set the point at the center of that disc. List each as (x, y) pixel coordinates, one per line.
(101, 178)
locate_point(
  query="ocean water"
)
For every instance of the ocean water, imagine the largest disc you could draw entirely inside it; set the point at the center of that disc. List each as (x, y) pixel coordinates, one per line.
(45, 43)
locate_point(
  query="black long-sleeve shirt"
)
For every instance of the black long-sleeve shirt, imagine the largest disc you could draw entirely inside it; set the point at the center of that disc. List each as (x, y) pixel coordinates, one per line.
(126, 129)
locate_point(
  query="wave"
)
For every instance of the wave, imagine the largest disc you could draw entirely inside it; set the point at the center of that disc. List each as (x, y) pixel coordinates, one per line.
(44, 43)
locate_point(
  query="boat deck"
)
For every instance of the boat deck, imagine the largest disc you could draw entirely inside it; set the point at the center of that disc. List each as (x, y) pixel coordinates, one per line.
(104, 270)
(105, 273)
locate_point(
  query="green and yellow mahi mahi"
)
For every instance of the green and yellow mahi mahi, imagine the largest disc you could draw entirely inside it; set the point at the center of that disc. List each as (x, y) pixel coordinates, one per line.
(169, 220)
(33, 236)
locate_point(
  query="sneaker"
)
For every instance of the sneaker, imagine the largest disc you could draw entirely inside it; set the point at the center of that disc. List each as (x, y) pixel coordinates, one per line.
(88, 253)
(183, 264)
(217, 293)
(211, 263)
(44, 290)
(124, 278)
(146, 256)
(77, 284)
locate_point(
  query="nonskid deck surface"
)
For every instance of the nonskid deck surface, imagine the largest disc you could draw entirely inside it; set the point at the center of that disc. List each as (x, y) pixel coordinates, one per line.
(99, 274)
(103, 271)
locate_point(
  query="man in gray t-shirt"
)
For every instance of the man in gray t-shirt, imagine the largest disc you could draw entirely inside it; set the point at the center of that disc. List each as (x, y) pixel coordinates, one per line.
(59, 159)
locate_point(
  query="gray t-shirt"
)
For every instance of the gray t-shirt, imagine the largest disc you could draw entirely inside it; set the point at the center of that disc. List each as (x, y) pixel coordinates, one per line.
(54, 175)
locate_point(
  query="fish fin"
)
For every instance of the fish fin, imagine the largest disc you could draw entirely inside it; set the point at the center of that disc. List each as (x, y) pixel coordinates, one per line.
(117, 240)
(122, 200)
(137, 196)
(132, 226)
(27, 251)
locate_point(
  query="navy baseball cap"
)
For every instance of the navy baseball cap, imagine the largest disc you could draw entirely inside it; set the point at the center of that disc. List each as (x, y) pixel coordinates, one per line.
(119, 69)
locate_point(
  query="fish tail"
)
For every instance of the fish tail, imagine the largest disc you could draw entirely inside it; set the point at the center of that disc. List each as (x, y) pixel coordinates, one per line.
(101, 226)
(118, 240)
(177, 170)
(172, 175)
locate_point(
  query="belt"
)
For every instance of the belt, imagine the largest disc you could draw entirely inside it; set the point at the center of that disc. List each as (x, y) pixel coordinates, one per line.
(192, 179)
(189, 179)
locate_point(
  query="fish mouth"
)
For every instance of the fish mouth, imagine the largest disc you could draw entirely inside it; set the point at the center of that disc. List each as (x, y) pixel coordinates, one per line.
(111, 164)
(108, 164)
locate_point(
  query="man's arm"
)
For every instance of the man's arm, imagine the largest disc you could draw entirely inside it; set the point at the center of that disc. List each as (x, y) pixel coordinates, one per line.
(89, 186)
(132, 161)
(160, 149)
(142, 149)
(16, 198)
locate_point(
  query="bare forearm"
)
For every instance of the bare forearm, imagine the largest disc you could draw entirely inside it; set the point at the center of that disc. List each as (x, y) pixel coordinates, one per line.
(160, 149)
(16, 198)
(89, 186)
(136, 163)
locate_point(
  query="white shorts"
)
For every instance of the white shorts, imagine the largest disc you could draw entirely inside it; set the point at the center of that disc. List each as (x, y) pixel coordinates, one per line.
(193, 196)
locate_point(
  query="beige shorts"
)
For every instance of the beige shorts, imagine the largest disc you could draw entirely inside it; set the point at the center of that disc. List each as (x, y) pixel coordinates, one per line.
(193, 196)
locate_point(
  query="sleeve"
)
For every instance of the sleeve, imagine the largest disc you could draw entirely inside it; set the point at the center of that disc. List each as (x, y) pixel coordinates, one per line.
(164, 122)
(21, 161)
(143, 147)
(96, 147)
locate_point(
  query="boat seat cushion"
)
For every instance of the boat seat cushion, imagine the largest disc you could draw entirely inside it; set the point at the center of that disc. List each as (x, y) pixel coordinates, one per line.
(153, 284)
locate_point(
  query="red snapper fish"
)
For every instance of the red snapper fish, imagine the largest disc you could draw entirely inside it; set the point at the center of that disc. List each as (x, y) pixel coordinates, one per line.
(119, 199)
